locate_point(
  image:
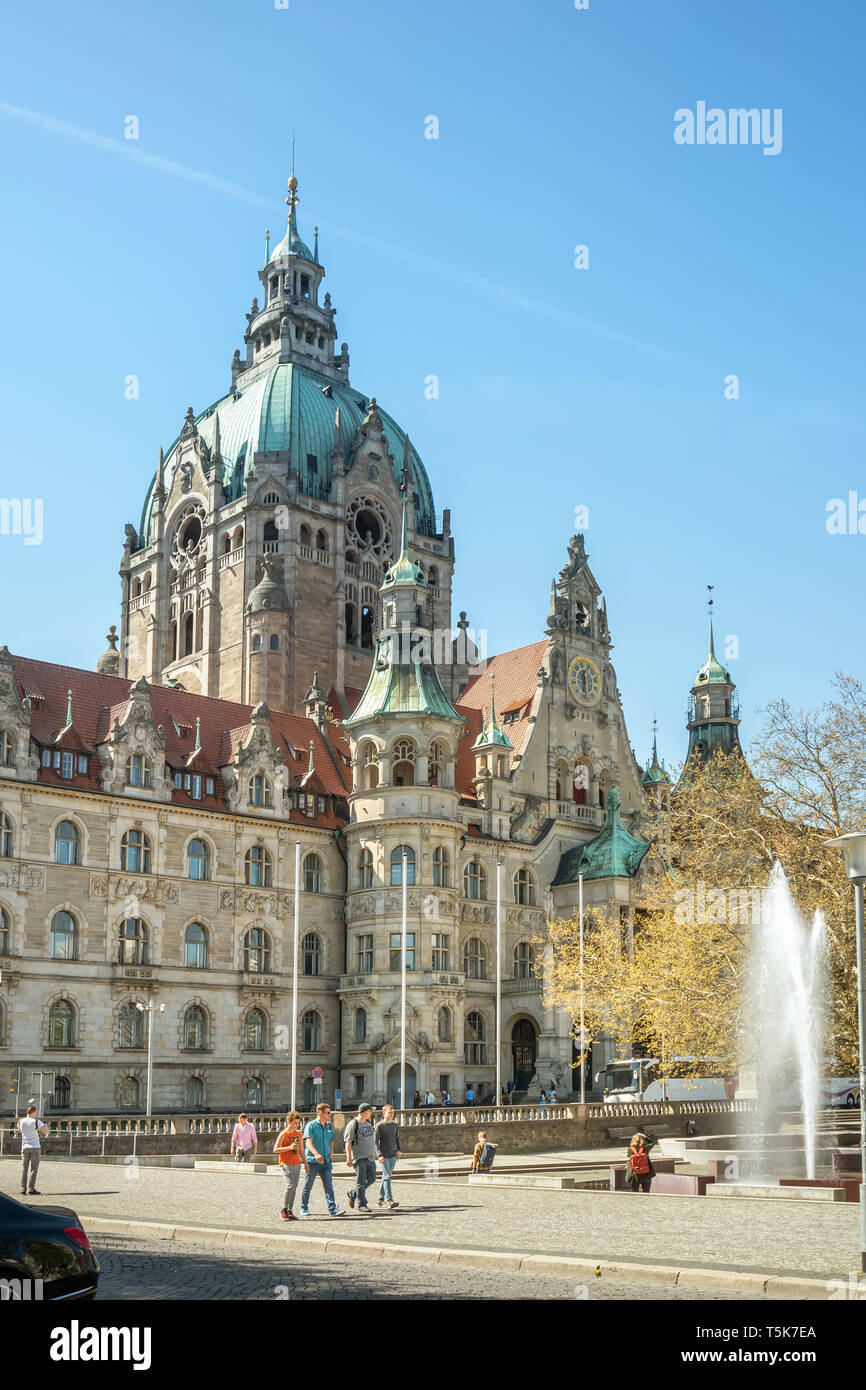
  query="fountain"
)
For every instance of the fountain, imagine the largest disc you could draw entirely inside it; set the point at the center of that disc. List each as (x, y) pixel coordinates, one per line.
(784, 1021)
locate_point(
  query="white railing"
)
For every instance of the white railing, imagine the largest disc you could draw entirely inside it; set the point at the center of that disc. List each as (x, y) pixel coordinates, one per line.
(318, 557)
(227, 561)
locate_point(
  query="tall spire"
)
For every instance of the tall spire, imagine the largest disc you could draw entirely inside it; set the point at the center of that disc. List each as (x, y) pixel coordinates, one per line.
(710, 588)
(492, 700)
(316, 244)
(267, 244)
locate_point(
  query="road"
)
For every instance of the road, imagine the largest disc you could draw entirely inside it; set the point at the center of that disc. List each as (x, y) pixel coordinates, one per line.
(137, 1268)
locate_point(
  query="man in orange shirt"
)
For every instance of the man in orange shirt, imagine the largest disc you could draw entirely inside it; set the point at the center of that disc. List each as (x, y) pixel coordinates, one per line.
(290, 1148)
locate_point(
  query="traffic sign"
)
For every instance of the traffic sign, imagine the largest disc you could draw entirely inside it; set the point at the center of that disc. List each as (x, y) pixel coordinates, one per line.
(317, 1073)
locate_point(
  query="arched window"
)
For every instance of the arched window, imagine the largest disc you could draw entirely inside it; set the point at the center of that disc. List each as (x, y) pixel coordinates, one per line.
(197, 859)
(130, 1092)
(135, 852)
(64, 937)
(397, 865)
(130, 1026)
(193, 1093)
(474, 1045)
(195, 947)
(132, 942)
(605, 782)
(7, 749)
(349, 615)
(359, 1032)
(5, 836)
(226, 543)
(365, 869)
(312, 874)
(321, 541)
(305, 536)
(271, 538)
(524, 888)
(257, 867)
(370, 767)
(188, 635)
(138, 771)
(475, 881)
(5, 933)
(311, 1027)
(255, 1093)
(441, 868)
(444, 1025)
(195, 1029)
(61, 1024)
(475, 959)
(257, 642)
(312, 954)
(66, 843)
(273, 642)
(255, 1031)
(403, 763)
(261, 792)
(62, 1093)
(367, 620)
(523, 959)
(257, 952)
(436, 764)
(432, 577)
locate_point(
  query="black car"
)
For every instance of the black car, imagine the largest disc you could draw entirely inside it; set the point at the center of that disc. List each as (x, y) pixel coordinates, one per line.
(44, 1253)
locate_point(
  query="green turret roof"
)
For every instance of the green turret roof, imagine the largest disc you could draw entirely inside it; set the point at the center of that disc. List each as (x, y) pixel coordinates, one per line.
(655, 771)
(397, 687)
(291, 244)
(404, 570)
(712, 669)
(614, 853)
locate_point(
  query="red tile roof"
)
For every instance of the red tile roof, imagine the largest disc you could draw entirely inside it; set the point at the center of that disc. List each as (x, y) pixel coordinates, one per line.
(97, 700)
(515, 684)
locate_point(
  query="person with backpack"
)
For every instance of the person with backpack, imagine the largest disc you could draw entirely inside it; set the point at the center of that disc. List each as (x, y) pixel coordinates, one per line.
(318, 1141)
(387, 1137)
(483, 1154)
(640, 1172)
(359, 1138)
(290, 1147)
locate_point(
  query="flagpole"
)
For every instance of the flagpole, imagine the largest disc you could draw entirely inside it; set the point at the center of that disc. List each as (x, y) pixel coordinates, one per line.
(403, 991)
(582, 1042)
(295, 974)
(498, 982)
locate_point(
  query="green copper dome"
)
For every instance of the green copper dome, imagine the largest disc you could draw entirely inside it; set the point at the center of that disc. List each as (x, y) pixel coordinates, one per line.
(614, 853)
(288, 409)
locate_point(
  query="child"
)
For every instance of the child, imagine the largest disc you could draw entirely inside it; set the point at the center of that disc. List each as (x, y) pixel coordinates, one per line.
(291, 1152)
(477, 1166)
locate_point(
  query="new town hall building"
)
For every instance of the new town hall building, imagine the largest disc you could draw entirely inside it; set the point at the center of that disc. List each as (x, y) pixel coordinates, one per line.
(285, 674)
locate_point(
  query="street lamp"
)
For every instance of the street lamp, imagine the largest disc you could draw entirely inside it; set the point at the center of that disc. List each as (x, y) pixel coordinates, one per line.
(853, 849)
(148, 1009)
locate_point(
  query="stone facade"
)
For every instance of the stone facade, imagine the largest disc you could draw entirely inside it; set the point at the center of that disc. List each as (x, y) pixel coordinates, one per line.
(287, 531)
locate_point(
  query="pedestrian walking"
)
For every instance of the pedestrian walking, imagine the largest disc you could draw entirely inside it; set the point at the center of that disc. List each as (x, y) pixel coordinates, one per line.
(551, 1095)
(640, 1171)
(290, 1149)
(318, 1143)
(387, 1140)
(470, 1094)
(416, 1101)
(446, 1097)
(245, 1141)
(30, 1127)
(483, 1154)
(431, 1099)
(510, 1089)
(360, 1140)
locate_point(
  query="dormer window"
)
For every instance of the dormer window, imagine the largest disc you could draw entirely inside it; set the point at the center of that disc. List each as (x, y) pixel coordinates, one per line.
(305, 286)
(260, 791)
(312, 464)
(138, 771)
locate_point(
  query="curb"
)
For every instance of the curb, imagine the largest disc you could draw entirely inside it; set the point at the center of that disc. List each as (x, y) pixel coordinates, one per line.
(748, 1282)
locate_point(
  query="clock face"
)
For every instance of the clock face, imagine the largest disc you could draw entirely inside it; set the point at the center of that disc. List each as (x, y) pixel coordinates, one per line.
(584, 680)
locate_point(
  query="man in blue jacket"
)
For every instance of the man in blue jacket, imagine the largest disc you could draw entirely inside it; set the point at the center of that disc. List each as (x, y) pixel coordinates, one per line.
(318, 1141)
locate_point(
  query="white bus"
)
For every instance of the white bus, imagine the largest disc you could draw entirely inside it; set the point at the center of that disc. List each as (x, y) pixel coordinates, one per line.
(638, 1079)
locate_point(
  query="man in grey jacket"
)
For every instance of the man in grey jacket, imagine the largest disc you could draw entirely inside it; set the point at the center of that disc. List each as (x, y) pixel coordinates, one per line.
(360, 1141)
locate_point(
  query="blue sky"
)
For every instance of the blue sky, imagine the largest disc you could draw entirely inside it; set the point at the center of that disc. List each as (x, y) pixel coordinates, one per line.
(558, 387)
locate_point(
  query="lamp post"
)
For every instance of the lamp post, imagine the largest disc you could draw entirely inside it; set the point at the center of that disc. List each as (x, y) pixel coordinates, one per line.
(404, 871)
(294, 1034)
(582, 1039)
(148, 1009)
(853, 849)
(498, 1028)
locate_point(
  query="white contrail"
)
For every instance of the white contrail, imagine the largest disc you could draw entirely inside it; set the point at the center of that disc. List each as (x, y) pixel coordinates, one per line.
(127, 149)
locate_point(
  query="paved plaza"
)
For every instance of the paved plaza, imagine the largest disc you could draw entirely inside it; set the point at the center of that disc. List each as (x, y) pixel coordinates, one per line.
(791, 1238)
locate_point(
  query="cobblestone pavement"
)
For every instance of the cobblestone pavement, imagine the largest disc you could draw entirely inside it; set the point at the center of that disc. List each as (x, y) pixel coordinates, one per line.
(138, 1268)
(790, 1237)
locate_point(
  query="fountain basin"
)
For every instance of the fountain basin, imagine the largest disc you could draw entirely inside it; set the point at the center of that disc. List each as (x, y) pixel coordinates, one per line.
(777, 1192)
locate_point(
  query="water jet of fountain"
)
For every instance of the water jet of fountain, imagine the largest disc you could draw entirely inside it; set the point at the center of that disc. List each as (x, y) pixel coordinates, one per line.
(784, 1015)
